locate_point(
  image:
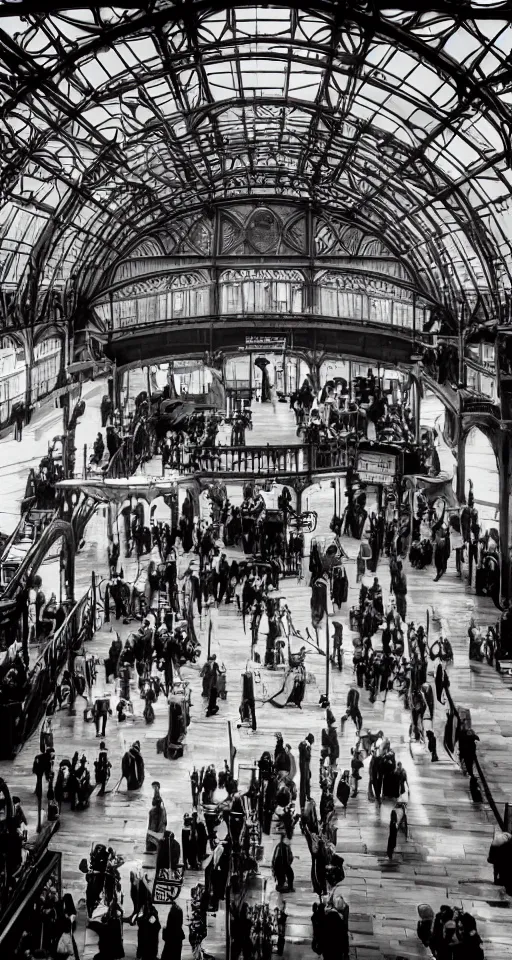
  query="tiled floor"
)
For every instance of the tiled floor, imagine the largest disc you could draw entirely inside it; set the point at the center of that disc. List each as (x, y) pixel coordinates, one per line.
(443, 861)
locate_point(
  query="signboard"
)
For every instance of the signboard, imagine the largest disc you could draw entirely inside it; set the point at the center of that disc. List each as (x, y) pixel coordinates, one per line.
(271, 344)
(168, 884)
(376, 467)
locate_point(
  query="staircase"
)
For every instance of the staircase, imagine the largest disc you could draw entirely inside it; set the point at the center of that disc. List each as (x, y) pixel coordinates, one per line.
(19, 544)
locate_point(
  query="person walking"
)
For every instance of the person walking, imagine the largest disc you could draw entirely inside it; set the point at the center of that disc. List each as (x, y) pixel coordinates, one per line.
(282, 860)
(343, 789)
(101, 711)
(393, 833)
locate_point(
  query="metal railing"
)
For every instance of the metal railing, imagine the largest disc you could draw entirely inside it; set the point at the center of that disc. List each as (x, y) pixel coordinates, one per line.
(264, 460)
(483, 779)
(17, 567)
(77, 629)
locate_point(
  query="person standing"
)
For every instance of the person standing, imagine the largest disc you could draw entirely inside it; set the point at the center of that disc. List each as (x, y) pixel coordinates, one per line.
(399, 588)
(172, 934)
(148, 923)
(293, 765)
(133, 767)
(273, 398)
(432, 745)
(213, 694)
(305, 769)
(282, 860)
(157, 820)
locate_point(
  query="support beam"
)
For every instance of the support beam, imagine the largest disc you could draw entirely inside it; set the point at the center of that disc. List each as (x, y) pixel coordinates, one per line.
(505, 473)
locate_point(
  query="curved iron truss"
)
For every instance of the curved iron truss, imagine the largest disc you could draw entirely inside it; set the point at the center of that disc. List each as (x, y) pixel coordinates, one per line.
(115, 121)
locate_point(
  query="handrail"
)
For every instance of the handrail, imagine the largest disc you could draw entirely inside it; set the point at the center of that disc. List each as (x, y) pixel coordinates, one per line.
(33, 881)
(9, 543)
(71, 635)
(55, 642)
(29, 556)
(265, 459)
(487, 790)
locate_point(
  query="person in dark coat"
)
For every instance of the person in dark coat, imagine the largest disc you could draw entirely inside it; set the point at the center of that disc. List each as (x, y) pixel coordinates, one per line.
(148, 923)
(132, 767)
(282, 867)
(393, 833)
(467, 749)
(281, 757)
(432, 745)
(172, 934)
(335, 942)
(305, 769)
(168, 852)
(343, 789)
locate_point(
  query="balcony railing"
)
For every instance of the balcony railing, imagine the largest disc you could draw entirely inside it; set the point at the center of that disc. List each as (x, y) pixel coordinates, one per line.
(263, 461)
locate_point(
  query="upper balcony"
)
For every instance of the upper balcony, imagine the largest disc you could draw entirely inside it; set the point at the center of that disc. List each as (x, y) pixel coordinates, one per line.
(251, 293)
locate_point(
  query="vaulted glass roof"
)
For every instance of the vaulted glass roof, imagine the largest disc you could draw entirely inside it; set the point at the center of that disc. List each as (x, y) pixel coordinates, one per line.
(115, 120)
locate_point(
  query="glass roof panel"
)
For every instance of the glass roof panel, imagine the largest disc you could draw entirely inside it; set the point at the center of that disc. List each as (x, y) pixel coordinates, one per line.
(138, 99)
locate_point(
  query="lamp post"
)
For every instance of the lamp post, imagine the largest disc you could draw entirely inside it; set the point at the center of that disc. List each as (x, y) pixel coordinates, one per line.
(327, 656)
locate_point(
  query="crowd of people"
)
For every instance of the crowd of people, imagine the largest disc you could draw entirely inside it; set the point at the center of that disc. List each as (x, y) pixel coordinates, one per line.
(176, 595)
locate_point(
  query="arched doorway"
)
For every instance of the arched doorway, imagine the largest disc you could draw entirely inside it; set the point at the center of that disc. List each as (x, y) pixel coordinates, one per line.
(481, 467)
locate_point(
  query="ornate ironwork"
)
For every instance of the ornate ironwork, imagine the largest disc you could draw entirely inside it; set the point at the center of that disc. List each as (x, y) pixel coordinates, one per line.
(393, 123)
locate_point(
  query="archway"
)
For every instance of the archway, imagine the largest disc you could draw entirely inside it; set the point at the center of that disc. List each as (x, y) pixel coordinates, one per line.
(481, 467)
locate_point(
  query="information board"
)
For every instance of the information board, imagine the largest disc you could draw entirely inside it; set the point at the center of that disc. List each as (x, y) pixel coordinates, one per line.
(271, 344)
(376, 467)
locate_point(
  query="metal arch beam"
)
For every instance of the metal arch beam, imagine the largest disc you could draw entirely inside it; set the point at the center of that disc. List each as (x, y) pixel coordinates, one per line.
(463, 222)
(466, 11)
(158, 202)
(329, 10)
(370, 226)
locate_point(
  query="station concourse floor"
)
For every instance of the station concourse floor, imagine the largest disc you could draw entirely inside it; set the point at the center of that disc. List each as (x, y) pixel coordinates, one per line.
(445, 858)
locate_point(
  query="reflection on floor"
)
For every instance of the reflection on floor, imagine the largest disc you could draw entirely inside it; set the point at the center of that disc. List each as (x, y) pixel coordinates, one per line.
(444, 861)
